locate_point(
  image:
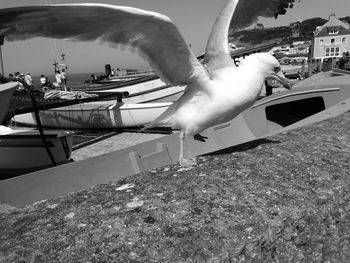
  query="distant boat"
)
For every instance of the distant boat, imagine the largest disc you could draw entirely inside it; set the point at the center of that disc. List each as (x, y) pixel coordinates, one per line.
(125, 76)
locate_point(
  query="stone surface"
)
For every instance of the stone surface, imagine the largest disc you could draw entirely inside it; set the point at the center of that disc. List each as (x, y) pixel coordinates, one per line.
(281, 199)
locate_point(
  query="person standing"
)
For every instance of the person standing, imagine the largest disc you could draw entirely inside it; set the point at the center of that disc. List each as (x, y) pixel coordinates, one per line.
(28, 80)
(2, 79)
(64, 79)
(42, 80)
(11, 78)
(20, 80)
(58, 79)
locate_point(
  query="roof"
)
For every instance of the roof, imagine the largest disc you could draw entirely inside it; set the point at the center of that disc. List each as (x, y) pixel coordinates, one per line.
(325, 32)
(333, 24)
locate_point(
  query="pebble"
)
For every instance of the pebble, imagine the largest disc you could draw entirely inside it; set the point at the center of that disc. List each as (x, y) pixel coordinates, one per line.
(125, 187)
(70, 215)
(135, 203)
(53, 206)
(82, 225)
(39, 202)
(117, 208)
(185, 169)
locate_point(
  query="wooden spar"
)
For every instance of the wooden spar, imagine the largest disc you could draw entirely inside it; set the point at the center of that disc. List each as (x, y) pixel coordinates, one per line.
(61, 103)
(1, 59)
(3, 32)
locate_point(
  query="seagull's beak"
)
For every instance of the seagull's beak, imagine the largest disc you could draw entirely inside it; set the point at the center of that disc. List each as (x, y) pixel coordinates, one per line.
(280, 78)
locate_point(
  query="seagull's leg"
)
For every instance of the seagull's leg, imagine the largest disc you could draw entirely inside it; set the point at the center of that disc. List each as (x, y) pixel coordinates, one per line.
(185, 162)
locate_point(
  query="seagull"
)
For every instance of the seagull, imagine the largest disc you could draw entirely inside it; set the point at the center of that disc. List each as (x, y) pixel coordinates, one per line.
(216, 90)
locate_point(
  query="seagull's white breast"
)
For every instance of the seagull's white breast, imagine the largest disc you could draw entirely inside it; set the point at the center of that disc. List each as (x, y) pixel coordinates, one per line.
(233, 91)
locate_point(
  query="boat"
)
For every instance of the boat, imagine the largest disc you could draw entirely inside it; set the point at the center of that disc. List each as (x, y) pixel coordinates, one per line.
(307, 98)
(22, 102)
(96, 115)
(83, 113)
(6, 91)
(140, 90)
(24, 150)
(124, 75)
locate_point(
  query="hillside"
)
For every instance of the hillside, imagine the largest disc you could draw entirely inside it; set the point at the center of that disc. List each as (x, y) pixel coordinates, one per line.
(282, 34)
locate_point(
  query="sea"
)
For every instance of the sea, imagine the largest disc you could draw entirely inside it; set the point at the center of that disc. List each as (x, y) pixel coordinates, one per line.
(73, 79)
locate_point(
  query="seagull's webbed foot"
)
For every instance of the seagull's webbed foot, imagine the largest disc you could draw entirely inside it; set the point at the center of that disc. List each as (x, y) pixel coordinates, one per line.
(199, 137)
(188, 162)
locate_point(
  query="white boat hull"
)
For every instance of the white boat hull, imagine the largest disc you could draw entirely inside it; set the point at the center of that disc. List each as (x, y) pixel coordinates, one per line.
(22, 150)
(96, 115)
(153, 90)
(6, 91)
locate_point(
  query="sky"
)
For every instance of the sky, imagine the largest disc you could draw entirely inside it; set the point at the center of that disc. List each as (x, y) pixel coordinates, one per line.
(194, 18)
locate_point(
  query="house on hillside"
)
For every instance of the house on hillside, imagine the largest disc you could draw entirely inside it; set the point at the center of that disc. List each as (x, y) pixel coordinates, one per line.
(296, 29)
(259, 26)
(331, 40)
(297, 48)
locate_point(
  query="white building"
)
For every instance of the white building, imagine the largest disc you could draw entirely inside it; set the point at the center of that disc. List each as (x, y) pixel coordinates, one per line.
(331, 40)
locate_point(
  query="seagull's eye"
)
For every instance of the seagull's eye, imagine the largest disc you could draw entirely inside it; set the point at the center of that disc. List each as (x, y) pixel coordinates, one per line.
(277, 69)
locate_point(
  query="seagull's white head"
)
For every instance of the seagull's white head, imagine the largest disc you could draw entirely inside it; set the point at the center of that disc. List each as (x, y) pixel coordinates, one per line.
(271, 68)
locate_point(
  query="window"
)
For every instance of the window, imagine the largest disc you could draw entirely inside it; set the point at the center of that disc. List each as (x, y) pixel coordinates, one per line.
(332, 52)
(343, 40)
(321, 42)
(336, 52)
(333, 32)
(332, 40)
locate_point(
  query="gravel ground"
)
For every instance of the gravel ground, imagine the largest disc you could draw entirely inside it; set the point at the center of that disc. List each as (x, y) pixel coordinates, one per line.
(281, 199)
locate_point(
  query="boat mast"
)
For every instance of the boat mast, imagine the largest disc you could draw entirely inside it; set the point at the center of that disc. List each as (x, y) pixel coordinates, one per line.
(56, 68)
(1, 60)
(64, 60)
(3, 32)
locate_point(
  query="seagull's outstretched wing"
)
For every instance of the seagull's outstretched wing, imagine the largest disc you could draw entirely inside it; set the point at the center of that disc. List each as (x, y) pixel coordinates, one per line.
(153, 35)
(248, 11)
(236, 15)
